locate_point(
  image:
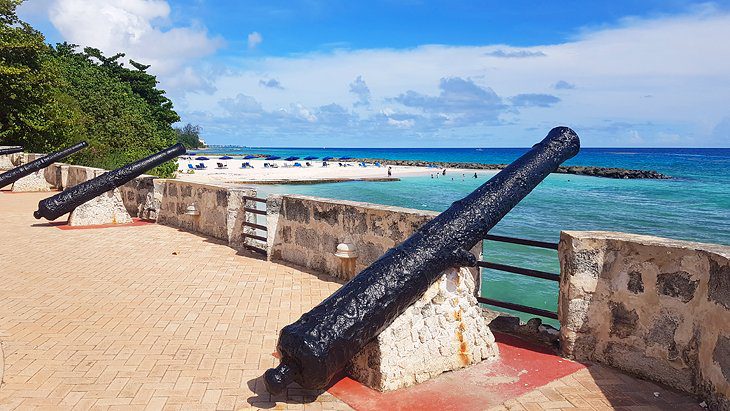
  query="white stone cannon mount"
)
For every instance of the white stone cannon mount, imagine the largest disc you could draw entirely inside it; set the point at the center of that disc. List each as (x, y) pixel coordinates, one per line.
(443, 331)
(107, 208)
(33, 182)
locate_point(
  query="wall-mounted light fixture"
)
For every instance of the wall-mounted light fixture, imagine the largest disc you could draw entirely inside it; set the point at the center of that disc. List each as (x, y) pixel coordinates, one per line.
(346, 250)
(192, 210)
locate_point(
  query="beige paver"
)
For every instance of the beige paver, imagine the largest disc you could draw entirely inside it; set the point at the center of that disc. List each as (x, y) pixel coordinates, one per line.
(151, 317)
(148, 315)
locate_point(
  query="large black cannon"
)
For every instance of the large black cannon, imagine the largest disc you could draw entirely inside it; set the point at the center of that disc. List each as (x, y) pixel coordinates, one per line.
(64, 202)
(10, 150)
(324, 340)
(19, 172)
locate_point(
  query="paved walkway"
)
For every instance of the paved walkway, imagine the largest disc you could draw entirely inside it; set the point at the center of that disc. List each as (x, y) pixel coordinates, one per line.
(151, 317)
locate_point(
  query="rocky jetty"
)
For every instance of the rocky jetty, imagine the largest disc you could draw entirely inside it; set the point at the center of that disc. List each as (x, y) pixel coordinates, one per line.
(607, 172)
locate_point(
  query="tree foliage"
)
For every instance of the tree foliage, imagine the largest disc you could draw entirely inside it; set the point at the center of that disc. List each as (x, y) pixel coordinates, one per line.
(52, 97)
(188, 135)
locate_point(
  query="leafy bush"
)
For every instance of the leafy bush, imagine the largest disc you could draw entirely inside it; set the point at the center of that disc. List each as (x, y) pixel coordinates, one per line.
(52, 97)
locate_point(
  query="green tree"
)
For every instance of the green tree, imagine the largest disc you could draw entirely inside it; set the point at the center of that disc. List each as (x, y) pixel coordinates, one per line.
(32, 113)
(51, 97)
(188, 135)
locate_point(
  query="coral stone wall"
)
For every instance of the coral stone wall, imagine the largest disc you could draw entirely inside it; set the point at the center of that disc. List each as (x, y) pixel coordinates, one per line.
(651, 306)
(306, 231)
(221, 209)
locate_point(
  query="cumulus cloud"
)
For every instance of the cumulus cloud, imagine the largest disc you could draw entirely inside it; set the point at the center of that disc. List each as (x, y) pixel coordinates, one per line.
(563, 85)
(271, 83)
(425, 92)
(360, 89)
(458, 98)
(511, 54)
(137, 28)
(534, 100)
(254, 39)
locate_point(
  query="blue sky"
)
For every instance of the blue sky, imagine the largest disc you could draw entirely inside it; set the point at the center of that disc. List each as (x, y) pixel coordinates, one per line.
(423, 73)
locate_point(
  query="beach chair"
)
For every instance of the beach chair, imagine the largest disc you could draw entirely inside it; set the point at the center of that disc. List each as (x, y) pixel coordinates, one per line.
(297, 164)
(324, 164)
(308, 164)
(377, 164)
(200, 166)
(190, 166)
(221, 166)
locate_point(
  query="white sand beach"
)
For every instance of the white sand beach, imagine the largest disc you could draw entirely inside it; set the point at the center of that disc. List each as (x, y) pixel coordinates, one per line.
(285, 172)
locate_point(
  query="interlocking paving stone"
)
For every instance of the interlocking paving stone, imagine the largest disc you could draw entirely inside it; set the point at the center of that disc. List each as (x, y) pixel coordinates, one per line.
(151, 317)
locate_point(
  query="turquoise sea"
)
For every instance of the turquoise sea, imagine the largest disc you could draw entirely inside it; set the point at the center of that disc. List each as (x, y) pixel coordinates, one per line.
(693, 205)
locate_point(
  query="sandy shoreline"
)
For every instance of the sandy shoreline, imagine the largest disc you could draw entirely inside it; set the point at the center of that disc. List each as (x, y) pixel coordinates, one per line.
(286, 173)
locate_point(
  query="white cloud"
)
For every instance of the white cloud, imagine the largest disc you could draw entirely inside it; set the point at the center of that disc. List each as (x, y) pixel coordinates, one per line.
(682, 61)
(140, 29)
(254, 39)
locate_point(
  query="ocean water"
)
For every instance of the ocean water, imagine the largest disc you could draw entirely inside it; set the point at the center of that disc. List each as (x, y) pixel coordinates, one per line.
(693, 205)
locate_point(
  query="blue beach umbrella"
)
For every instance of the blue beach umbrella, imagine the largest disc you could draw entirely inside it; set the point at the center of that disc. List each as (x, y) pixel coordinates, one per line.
(272, 158)
(249, 157)
(327, 158)
(292, 158)
(345, 158)
(202, 158)
(311, 157)
(225, 158)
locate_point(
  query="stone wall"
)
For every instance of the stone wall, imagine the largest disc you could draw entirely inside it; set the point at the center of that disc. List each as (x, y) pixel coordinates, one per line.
(651, 306)
(221, 209)
(306, 231)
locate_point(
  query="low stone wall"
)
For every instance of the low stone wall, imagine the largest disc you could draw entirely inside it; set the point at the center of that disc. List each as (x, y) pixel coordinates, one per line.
(306, 231)
(651, 306)
(221, 209)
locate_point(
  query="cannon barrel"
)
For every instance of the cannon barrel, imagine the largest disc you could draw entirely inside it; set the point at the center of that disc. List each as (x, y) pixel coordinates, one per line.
(66, 201)
(21, 171)
(321, 343)
(10, 150)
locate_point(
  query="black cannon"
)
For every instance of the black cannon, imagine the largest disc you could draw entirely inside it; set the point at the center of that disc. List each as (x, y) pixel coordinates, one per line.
(19, 172)
(10, 150)
(64, 202)
(324, 340)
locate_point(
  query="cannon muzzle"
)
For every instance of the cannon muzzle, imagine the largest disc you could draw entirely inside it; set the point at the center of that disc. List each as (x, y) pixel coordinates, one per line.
(9, 177)
(10, 150)
(53, 207)
(324, 340)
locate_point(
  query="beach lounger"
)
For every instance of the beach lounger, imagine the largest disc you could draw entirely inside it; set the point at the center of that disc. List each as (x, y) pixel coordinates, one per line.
(221, 166)
(297, 164)
(377, 164)
(200, 166)
(190, 166)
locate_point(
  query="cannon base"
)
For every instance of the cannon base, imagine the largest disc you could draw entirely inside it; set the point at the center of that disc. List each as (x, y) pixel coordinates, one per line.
(443, 331)
(107, 208)
(35, 181)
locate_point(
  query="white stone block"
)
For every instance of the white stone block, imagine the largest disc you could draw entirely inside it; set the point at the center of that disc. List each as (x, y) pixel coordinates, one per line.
(107, 208)
(33, 182)
(443, 331)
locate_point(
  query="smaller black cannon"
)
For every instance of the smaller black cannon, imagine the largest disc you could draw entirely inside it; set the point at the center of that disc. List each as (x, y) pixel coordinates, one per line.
(19, 172)
(66, 201)
(10, 150)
